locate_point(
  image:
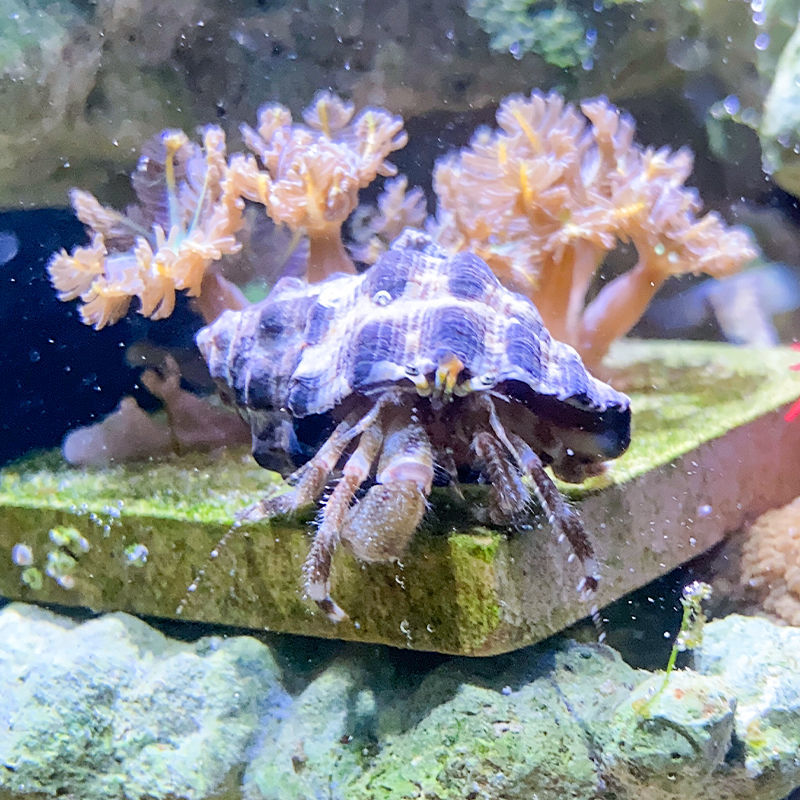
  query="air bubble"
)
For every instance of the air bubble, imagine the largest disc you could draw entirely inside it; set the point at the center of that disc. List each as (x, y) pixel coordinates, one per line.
(9, 246)
(382, 298)
(731, 104)
(22, 555)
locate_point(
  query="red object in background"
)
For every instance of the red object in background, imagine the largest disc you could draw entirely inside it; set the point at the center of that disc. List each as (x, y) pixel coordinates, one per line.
(794, 409)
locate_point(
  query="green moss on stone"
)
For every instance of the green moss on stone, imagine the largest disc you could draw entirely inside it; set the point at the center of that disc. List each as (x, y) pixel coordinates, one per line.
(473, 558)
(686, 393)
(460, 588)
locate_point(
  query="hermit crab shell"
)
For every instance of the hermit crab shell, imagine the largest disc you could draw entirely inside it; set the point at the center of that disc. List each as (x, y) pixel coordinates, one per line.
(308, 348)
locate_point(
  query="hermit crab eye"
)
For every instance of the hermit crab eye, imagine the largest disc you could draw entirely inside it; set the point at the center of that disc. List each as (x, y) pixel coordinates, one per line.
(382, 298)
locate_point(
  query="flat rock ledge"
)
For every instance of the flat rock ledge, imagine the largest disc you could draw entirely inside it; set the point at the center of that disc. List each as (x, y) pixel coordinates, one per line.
(112, 709)
(710, 450)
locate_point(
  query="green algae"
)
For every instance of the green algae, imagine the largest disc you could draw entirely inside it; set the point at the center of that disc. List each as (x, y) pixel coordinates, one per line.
(686, 393)
(461, 587)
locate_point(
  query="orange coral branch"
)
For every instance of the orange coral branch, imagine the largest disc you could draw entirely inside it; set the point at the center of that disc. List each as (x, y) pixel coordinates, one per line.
(310, 174)
(549, 193)
(186, 219)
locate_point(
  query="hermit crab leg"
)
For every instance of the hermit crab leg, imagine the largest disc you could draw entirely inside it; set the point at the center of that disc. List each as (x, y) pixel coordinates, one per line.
(310, 480)
(307, 483)
(317, 568)
(561, 517)
(507, 493)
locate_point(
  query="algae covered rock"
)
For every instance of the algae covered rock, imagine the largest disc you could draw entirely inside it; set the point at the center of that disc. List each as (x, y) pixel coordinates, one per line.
(760, 662)
(779, 131)
(112, 708)
(667, 741)
(315, 746)
(508, 728)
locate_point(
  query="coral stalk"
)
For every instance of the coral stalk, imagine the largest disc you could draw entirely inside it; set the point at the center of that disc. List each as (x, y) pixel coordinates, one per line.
(326, 254)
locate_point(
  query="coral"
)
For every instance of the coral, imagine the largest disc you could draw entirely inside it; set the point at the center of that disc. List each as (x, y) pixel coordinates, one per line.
(128, 434)
(771, 561)
(543, 200)
(186, 218)
(195, 423)
(548, 195)
(191, 206)
(131, 434)
(308, 175)
(375, 227)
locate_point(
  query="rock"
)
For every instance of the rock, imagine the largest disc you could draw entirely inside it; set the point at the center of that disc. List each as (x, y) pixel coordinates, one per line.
(314, 749)
(708, 450)
(669, 746)
(760, 662)
(779, 130)
(86, 84)
(111, 708)
(504, 728)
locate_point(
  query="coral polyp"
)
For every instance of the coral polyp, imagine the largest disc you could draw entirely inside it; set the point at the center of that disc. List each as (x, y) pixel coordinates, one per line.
(187, 216)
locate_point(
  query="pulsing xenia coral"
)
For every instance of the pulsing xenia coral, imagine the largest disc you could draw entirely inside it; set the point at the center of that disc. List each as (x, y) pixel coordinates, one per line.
(191, 202)
(546, 196)
(186, 218)
(309, 175)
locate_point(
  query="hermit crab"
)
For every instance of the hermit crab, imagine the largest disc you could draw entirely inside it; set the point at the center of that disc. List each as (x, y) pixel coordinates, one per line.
(423, 369)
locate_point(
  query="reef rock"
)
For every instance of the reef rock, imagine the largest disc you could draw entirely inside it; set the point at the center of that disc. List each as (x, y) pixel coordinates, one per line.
(112, 709)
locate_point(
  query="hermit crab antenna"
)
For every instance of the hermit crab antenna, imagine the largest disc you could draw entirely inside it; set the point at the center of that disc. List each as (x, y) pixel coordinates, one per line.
(218, 548)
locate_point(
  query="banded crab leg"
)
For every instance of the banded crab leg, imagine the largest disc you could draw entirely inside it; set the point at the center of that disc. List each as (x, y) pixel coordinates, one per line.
(561, 517)
(307, 483)
(508, 496)
(564, 521)
(317, 567)
(310, 480)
